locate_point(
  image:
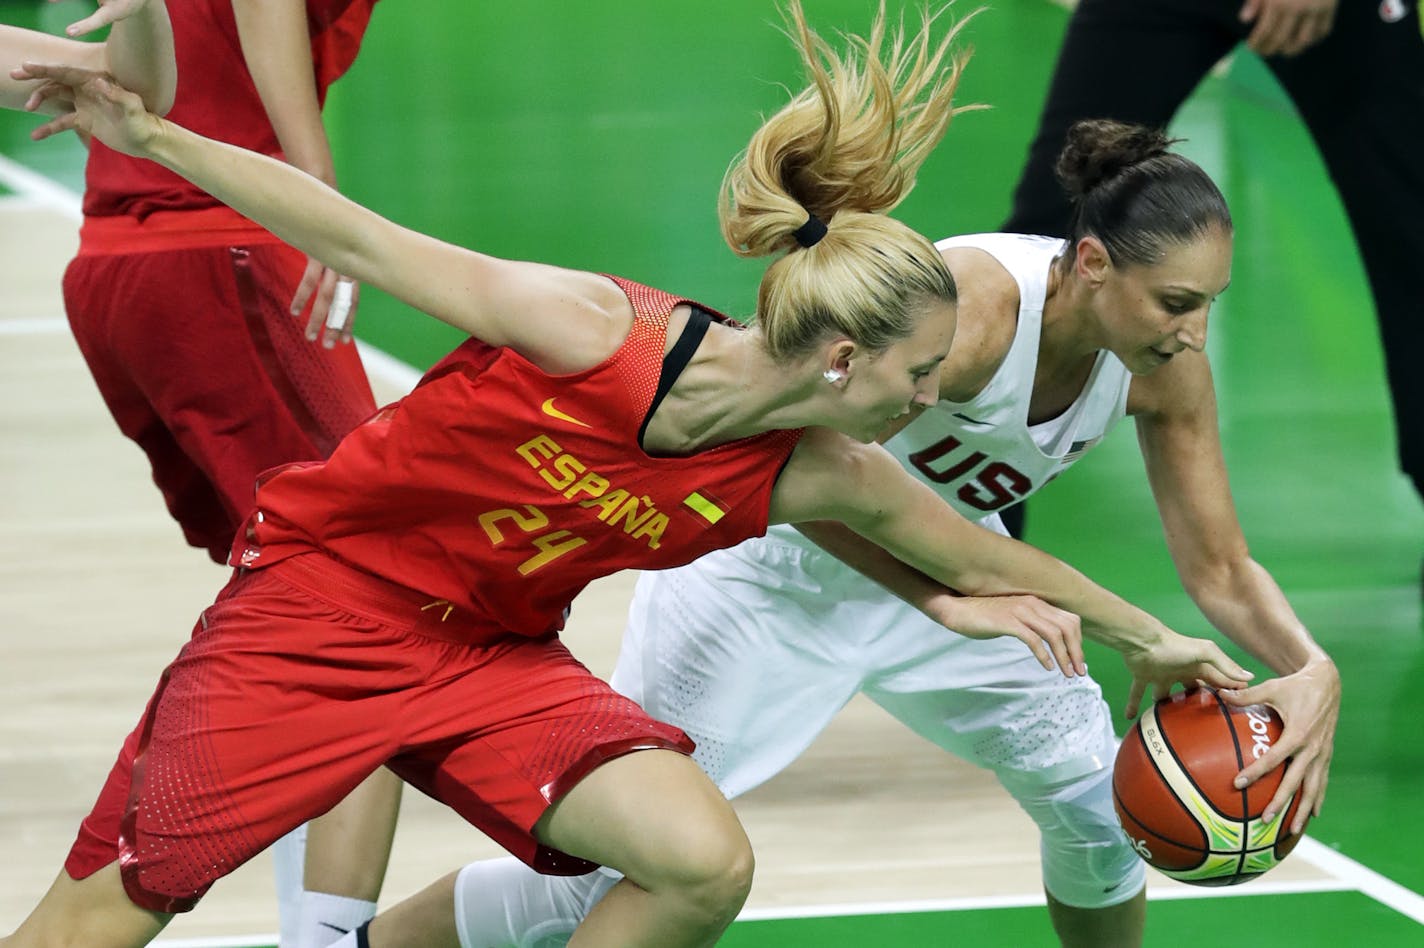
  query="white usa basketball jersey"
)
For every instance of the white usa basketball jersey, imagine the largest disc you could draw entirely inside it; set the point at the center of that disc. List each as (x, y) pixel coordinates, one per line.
(982, 455)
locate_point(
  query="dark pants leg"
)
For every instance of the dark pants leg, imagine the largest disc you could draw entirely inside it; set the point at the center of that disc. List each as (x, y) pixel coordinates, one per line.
(1361, 93)
(1131, 60)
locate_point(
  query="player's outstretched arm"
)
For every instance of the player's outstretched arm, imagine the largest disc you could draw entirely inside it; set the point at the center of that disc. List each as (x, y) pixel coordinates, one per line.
(831, 477)
(1175, 409)
(1054, 635)
(562, 320)
(138, 52)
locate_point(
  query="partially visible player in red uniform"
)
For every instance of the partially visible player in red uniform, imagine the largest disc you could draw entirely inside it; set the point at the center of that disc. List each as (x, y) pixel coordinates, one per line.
(399, 604)
(183, 310)
(138, 53)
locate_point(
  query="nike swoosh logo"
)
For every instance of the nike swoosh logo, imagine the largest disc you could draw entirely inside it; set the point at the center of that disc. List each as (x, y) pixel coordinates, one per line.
(553, 412)
(339, 931)
(972, 421)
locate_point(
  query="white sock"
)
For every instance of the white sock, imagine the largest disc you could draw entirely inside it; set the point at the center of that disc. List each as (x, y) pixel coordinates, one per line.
(502, 903)
(289, 855)
(326, 918)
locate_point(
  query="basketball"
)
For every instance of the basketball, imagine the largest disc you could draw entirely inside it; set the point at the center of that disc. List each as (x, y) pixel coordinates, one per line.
(1172, 786)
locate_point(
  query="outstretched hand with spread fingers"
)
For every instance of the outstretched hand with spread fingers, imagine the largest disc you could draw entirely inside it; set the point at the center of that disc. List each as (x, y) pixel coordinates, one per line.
(1308, 701)
(101, 107)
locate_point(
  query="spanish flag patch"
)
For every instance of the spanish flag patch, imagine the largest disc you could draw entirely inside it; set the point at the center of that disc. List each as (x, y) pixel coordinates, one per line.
(710, 510)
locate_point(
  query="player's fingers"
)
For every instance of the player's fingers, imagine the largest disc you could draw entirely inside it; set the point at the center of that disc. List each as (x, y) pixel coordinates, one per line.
(1134, 697)
(1322, 782)
(1062, 651)
(1071, 628)
(1281, 802)
(1309, 29)
(311, 276)
(349, 332)
(1045, 624)
(1263, 693)
(1222, 673)
(1267, 36)
(1327, 17)
(1311, 792)
(1292, 782)
(1261, 766)
(1161, 690)
(321, 308)
(1249, 11)
(99, 18)
(338, 314)
(49, 93)
(55, 126)
(69, 75)
(1035, 645)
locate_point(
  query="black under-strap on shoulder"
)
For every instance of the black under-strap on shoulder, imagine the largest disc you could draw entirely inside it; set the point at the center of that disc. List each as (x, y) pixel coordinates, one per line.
(676, 360)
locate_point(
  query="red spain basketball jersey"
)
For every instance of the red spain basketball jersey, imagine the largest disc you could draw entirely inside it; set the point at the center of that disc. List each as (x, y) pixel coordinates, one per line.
(217, 99)
(503, 491)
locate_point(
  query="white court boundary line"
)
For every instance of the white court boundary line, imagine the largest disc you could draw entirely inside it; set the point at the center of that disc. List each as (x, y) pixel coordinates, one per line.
(39, 189)
(1349, 874)
(1352, 877)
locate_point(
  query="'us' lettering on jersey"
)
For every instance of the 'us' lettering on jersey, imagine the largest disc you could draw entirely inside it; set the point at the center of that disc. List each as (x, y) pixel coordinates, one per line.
(989, 484)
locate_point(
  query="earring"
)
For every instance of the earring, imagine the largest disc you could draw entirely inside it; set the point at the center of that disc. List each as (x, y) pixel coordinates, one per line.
(833, 375)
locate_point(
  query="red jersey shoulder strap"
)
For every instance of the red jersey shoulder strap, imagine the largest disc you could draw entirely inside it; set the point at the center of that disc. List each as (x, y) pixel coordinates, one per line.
(640, 360)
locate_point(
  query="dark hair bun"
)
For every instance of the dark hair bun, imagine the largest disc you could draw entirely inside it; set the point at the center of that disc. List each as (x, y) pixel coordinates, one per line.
(1099, 149)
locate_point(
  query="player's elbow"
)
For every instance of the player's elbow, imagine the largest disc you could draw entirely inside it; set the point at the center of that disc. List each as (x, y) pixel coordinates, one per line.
(159, 100)
(1217, 573)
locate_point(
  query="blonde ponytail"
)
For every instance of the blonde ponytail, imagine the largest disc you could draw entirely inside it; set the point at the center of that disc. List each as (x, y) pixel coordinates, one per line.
(845, 150)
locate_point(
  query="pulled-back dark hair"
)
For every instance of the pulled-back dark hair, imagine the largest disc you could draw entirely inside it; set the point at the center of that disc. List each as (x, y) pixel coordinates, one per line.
(1133, 194)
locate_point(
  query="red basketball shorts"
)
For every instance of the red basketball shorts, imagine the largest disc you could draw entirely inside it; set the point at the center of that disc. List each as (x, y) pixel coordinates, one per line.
(184, 323)
(306, 676)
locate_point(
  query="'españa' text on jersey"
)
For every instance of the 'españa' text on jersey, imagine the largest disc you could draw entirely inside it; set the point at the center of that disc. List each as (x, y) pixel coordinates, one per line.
(503, 490)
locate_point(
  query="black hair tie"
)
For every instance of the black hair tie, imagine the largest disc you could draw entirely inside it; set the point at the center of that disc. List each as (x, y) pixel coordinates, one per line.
(810, 233)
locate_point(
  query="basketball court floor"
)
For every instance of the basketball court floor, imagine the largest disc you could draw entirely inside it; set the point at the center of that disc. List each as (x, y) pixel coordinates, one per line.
(594, 135)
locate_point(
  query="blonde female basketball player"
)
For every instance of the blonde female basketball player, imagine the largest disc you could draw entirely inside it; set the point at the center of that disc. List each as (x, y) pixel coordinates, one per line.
(752, 650)
(399, 603)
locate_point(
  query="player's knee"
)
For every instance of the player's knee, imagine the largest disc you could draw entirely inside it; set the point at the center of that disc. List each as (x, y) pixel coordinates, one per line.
(1087, 860)
(1092, 873)
(710, 875)
(719, 878)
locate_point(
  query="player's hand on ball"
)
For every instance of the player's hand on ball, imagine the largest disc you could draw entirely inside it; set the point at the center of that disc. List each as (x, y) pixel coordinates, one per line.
(1308, 701)
(101, 108)
(1054, 636)
(1179, 659)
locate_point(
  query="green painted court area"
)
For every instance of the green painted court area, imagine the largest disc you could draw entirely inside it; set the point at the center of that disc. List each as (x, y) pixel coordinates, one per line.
(1274, 922)
(595, 135)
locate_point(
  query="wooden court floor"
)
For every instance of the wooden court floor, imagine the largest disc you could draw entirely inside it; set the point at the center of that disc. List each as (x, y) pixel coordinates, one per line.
(871, 839)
